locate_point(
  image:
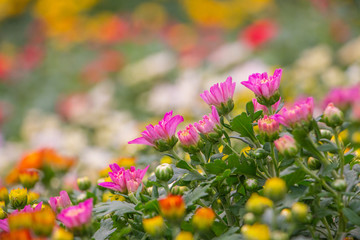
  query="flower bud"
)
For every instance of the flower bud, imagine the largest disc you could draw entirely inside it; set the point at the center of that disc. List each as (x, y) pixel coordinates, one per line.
(333, 116)
(29, 178)
(251, 184)
(279, 235)
(268, 128)
(4, 195)
(286, 214)
(43, 222)
(18, 198)
(154, 226)
(249, 218)
(83, 183)
(257, 204)
(339, 185)
(179, 190)
(252, 232)
(32, 197)
(313, 163)
(299, 211)
(203, 218)
(3, 214)
(164, 172)
(20, 220)
(190, 139)
(326, 134)
(260, 153)
(81, 197)
(184, 236)
(275, 188)
(62, 234)
(286, 146)
(172, 207)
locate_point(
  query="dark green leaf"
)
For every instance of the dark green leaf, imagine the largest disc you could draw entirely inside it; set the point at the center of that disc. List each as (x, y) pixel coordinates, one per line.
(216, 167)
(352, 216)
(195, 194)
(184, 165)
(119, 208)
(242, 124)
(192, 176)
(218, 228)
(330, 147)
(230, 235)
(241, 165)
(105, 230)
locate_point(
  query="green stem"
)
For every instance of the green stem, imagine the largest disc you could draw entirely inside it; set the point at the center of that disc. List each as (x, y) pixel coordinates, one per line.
(228, 213)
(270, 110)
(226, 144)
(272, 146)
(201, 157)
(175, 155)
(340, 151)
(166, 187)
(326, 224)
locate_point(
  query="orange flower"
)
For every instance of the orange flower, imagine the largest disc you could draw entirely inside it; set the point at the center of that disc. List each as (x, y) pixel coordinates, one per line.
(172, 207)
(203, 218)
(23, 234)
(43, 222)
(21, 220)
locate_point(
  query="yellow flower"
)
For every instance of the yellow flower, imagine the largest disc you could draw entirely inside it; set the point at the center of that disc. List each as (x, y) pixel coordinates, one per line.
(184, 236)
(18, 198)
(20, 220)
(29, 178)
(257, 204)
(43, 222)
(126, 162)
(32, 197)
(356, 137)
(108, 196)
(256, 232)
(166, 159)
(203, 218)
(275, 188)
(154, 226)
(62, 234)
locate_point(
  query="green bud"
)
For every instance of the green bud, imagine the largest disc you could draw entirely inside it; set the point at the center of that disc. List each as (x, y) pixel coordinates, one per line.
(326, 134)
(164, 172)
(339, 185)
(82, 197)
(260, 153)
(249, 218)
(299, 211)
(286, 214)
(83, 183)
(3, 214)
(313, 163)
(179, 190)
(251, 184)
(333, 116)
(18, 198)
(279, 235)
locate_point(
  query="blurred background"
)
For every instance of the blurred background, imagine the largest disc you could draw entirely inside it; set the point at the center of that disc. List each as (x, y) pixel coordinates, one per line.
(84, 77)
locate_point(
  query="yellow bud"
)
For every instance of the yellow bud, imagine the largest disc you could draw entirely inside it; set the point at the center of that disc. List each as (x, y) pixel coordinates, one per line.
(154, 226)
(3, 214)
(184, 236)
(299, 211)
(286, 213)
(32, 197)
(62, 234)
(256, 232)
(257, 204)
(203, 218)
(43, 222)
(166, 159)
(18, 198)
(108, 196)
(4, 194)
(275, 189)
(29, 178)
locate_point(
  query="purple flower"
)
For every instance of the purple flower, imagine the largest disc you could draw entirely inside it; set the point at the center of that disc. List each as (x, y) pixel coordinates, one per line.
(268, 128)
(161, 136)
(77, 216)
(221, 96)
(210, 125)
(60, 202)
(266, 88)
(124, 181)
(4, 225)
(297, 116)
(258, 106)
(189, 139)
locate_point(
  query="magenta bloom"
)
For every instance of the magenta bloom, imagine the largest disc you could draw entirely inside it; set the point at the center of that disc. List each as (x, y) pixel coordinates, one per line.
(189, 139)
(210, 125)
(258, 106)
(286, 145)
(124, 181)
(297, 116)
(221, 96)
(60, 202)
(4, 225)
(343, 98)
(266, 88)
(161, 136)
(77, 216)
(268, 128)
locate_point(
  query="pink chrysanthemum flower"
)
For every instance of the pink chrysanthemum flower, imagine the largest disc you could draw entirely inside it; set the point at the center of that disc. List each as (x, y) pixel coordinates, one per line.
(298, 116)
(161, 136)
(124, 181)
(77, 216)
(210, 125)
(4, 225)
(189, 139)
(221, 96)
(60, 202)
(343, 98)
(258, 106)
(286, 145)
(268, 128)
(266, 88)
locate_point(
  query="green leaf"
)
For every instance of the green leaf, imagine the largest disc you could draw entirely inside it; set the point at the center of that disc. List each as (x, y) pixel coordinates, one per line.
(292, 175)
(242, 124)
(195, 194)
(250, 109)
(352, 216)
(241, 165)
(119, 208)
(257, 115)
(330, 147)
(184, 165)
(152, 206)
(218, 228)
(216, 167)
(230, 235)
(105, 230)
(192, 176)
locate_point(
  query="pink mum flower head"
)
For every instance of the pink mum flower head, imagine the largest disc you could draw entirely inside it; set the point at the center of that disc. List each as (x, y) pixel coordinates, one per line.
(258, 106)
(4, 225)
(124, 181)
(298, 116)
(75, 217)
(60, 202)
(286, 145)
(161, 136)
(210, 125)
(189, 139)
(343, 98)
(221, 96)
(268, 128)
(266, 88)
